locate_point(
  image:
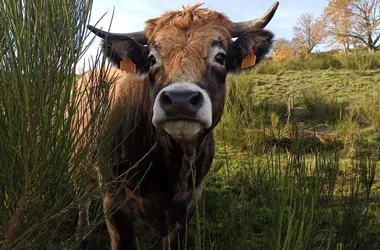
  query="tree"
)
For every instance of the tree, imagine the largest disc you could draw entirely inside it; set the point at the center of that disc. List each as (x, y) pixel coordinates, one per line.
(308, 33)
(282, 53)
(297, 46)
(279, 43)
(338, 20)
(281, 49)
(365, 22)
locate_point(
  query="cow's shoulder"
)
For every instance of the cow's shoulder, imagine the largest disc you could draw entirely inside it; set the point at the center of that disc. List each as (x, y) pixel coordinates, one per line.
(121, 84)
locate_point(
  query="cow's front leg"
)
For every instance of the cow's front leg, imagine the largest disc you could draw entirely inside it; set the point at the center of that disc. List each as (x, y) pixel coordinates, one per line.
(177, 232)
(83, 220)
(119, 219)
(175, 239)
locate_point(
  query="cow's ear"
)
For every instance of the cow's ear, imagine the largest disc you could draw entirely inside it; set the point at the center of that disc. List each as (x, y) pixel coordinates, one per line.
(248, 49)
(127, 54)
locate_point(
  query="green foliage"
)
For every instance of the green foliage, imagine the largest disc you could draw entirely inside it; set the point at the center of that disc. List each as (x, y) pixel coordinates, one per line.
(291, 201)
(371, 112)
(293, 63)
(41, 43)
(322, 108)
(268, 67)
(254, 113)
(322, 61)
(297, 200)
(361, 61)
(356, 220)
(356, 60)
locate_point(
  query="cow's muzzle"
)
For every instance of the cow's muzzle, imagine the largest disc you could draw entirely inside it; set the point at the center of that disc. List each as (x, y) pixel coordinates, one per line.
(183, 110)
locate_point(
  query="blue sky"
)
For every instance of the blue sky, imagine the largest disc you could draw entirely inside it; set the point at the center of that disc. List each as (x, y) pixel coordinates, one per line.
(130, 14)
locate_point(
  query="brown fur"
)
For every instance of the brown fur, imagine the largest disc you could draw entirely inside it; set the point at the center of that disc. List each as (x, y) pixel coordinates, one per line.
(184, 38)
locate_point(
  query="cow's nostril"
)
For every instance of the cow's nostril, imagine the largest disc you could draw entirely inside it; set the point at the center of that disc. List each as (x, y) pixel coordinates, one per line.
(166, 99)
(196, 99)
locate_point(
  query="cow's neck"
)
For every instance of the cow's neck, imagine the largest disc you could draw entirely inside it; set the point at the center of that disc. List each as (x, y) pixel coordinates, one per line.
(181, 159)
(190, 169)
(188, 152)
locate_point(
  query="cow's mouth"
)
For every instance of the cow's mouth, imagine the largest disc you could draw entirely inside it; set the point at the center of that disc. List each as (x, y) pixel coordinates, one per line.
(183, 110)
(183, 130)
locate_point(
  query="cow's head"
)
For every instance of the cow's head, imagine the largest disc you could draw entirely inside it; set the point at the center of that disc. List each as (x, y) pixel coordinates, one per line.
(187, 55)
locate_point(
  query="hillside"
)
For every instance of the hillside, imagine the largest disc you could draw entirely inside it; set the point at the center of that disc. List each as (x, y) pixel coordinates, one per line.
(346, 85)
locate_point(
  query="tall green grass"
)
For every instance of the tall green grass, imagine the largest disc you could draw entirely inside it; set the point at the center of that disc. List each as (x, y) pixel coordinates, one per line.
(361, 61)
(323, 109)
(41, 44)
(292, 201)
(321, 198)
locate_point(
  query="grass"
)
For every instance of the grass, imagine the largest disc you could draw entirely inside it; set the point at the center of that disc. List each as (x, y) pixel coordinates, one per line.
(322, 109)
(355, 60)
(330, 209)
(346, 85)
(336, 104)
(287, 202)
(309, 196)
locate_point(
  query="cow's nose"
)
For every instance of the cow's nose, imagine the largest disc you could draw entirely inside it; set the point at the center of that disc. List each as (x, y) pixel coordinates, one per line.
(177, 103)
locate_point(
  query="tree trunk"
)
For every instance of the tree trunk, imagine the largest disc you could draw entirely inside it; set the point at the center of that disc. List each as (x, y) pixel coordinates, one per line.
(346, 48)
(370, 45)
(371, 49)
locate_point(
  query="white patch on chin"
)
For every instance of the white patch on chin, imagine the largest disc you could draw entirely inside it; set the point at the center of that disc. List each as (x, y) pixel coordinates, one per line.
(182, 129)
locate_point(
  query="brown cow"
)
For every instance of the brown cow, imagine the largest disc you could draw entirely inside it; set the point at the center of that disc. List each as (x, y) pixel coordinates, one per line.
(161, 142)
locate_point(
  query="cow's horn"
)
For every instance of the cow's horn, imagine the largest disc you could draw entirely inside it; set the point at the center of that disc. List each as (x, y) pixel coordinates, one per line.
(259, 23)
(137, 36)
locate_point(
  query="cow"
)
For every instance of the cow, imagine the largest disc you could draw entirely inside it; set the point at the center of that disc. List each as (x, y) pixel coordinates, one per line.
(160, 141)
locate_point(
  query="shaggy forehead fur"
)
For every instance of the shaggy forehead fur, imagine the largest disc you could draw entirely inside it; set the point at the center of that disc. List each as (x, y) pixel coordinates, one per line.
(184, 37)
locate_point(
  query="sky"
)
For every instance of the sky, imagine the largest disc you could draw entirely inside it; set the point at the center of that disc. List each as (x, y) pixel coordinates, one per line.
(130, 15)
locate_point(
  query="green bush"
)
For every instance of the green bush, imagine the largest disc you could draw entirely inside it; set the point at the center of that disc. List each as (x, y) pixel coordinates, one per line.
(359, 60)
(268, 67)
(320, 61)
(253, 112)
(41, 43)
(293, 63)
(356, 60)
(366, 111)
(322, 108)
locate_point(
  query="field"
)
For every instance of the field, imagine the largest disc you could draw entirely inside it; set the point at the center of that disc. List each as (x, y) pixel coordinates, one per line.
(272, 190)
(316, 187)
(297, 160)
(312, 188)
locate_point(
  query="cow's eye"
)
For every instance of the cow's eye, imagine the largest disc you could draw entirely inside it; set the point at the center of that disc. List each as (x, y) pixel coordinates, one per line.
(152, 60)
(220, 58)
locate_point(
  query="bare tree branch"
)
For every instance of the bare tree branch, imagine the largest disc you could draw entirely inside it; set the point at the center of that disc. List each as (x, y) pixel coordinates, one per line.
(308, 33)
(366, 22)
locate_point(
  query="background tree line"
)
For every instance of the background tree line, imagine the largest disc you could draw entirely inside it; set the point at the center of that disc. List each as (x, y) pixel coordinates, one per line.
(347, 24)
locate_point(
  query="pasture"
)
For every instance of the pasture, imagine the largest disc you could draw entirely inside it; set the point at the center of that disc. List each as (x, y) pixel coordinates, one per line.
(267, 189)
(297, 163)
(273, 189)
